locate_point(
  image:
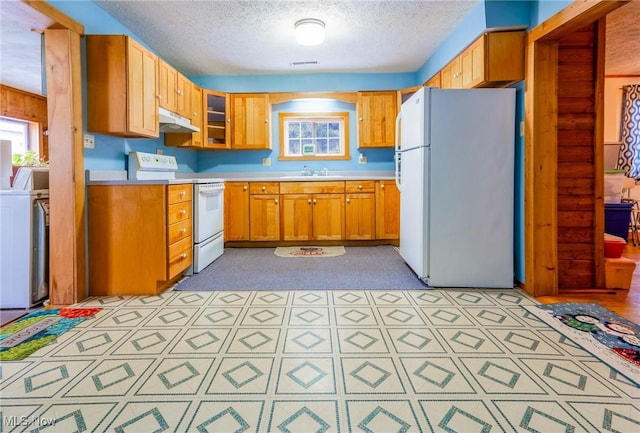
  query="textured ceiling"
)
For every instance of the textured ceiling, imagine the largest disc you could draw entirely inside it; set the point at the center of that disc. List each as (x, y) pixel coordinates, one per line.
(623, 40)
(256, 37)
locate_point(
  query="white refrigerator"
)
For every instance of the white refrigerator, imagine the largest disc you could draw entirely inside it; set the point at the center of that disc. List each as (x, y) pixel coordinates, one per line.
(455, 172)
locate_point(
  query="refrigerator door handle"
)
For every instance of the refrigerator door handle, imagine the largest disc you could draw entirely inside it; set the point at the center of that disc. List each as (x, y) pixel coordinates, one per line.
(396, 157)
(397, 139)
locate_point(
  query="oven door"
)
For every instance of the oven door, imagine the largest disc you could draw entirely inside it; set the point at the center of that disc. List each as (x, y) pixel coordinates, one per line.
(208, 211)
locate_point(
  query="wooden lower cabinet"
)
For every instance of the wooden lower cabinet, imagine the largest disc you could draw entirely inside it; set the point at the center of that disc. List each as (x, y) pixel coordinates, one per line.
(264, 211)
(328, 217)
(360, 210)
(236, 211)
(307, 217)
(140, 238)
(360, 213)
(387, 210)
(363, 210)
(297, 217)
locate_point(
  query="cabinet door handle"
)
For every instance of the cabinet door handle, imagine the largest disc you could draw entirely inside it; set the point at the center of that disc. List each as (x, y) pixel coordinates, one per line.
(361, 119)
(244, 188)
(359, 186)
(183, 256)
(348, 200)
(276, 201)
(382, 186)
(183, 212)
(309, 201)
(266, 120)
(314, 201)
(182, 193)
(159, 96)
(264, 188)
(183, 230)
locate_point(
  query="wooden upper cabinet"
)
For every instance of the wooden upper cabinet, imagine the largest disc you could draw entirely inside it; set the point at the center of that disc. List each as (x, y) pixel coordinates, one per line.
(377, 118)
(250, 121)
(194, 140)
(217, 121)
(503, 59)
(183, 98)
(121, 87)
(493, 60)
(174, 90)
(451, 75)
(473, 64)
(433, 81)
(197, 118)
(167, 82)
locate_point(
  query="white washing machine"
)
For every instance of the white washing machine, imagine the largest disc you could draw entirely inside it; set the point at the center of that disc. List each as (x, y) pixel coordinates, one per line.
(24, 246)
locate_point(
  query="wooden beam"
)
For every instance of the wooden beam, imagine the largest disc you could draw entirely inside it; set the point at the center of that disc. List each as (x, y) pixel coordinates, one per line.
(66, 175)
(598, 163)
(276, 98)
(574, 16)
(541, 233)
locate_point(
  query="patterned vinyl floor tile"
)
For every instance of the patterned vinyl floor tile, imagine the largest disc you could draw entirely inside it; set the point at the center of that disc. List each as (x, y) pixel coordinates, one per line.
(454, 361)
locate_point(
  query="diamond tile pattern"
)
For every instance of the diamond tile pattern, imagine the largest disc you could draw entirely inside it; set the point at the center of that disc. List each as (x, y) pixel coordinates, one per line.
(336, 361)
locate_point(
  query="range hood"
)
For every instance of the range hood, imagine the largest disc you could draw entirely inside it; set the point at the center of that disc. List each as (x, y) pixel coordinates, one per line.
(172, 123)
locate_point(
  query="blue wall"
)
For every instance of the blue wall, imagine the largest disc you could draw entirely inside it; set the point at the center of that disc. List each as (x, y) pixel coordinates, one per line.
(541, 10)
(305, 82)
(251, 160)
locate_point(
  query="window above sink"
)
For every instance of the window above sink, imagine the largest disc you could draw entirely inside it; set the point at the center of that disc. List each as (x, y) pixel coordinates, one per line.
(314, 136)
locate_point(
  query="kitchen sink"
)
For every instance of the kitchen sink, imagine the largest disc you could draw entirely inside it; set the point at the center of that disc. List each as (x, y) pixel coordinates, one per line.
(314, 177)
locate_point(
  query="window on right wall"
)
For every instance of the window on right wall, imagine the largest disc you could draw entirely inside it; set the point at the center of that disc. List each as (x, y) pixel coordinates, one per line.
(314, 136)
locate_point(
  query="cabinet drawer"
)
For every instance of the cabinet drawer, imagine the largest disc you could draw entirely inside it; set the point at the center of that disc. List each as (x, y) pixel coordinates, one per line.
(178, 212)
(180, 256)
(360, 186)
(179, 193)
(179, 230)
(264, 188)
(311, 187)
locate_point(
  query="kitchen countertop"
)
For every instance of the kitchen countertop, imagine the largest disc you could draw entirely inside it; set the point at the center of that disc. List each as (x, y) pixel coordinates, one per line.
(119, 177)
(297, 177)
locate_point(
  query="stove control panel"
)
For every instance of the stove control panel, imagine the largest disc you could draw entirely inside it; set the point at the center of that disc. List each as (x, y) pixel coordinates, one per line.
(149, 166)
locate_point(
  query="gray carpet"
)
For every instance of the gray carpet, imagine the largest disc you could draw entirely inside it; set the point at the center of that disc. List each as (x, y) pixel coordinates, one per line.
(371, 268)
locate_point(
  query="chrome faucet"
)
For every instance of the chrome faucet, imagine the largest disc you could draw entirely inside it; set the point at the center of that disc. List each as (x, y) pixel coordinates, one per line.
(306, 171)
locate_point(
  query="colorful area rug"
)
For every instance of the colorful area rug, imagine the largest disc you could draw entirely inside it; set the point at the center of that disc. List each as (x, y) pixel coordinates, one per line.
(309, 251)
(23, 337)
(613, 339)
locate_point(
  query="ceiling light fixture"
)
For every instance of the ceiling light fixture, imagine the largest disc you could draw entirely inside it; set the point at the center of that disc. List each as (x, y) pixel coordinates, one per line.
(309, 31)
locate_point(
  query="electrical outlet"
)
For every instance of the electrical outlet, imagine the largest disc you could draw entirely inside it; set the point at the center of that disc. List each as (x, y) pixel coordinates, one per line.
(159, 151)
(89, 141)
(266, 162)
(362, 159)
